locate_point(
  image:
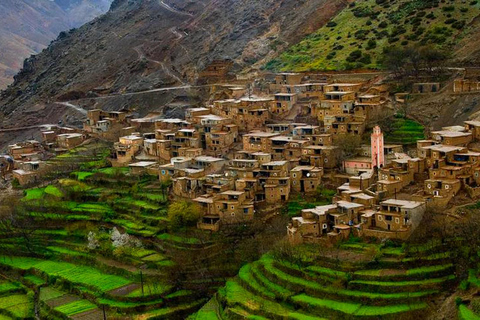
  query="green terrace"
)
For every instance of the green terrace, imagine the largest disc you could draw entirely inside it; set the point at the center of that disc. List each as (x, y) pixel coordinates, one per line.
(77, 281)
(317, 288)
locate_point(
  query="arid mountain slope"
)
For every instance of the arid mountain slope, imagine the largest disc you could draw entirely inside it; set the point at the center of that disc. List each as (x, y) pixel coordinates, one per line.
(140, 45)
(28, 26)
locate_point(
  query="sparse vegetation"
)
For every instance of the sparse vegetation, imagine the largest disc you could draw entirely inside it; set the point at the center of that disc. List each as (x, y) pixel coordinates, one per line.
(429, 27)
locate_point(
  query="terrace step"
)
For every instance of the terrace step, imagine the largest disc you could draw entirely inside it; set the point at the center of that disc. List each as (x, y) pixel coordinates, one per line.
(298, 284)
(125, 290)
(171, 312)
(95, 314)
(60, 301)
(421, 273)
(345, 310)
(272, 286)
(249, 282)
(237, 296)
(399, 286)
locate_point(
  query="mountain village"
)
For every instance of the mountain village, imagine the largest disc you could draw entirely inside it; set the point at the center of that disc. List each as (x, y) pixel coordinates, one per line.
(245, 156)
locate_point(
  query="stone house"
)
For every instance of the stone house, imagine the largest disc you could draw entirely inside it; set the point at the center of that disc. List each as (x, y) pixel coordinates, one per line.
(248, 113)
(474, 128)
(332, 221)
(258, 141)
(395, 219)
(305, 179)
(320, 156)
(335, 104)
(274, 178)
(126, 149)
(285, 79)
(452, 138)
(284, 102)
(29, 172)
(465, 85)
(69, 140)
(342, 87)
(99, 121)
(286, 148)
(24, 149)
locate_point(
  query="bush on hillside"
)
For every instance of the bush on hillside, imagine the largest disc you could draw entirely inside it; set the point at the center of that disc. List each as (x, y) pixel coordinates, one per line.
(371, 44)
(458, 25)
(354, 56)
(184, 214)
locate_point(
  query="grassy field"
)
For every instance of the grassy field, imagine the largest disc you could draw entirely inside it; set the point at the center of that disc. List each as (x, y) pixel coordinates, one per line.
(76, 274)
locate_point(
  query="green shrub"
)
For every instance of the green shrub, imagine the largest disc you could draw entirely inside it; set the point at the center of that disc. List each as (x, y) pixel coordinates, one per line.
(458, 301)
(331, 24)
(383, 24)
(354, 56)
(448, 9)
(371, 44)
(458, 25)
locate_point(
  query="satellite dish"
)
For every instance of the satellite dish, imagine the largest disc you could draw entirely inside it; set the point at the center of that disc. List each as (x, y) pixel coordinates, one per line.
(308, 175)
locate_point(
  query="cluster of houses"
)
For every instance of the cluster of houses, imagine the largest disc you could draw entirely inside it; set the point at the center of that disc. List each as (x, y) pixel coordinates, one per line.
(26, 161)
(367, 205)
(247, 151)
(252, 151)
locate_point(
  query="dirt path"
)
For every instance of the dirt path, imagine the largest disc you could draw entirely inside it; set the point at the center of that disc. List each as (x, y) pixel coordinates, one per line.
(74, 107)
(169, 8)
(142, 55)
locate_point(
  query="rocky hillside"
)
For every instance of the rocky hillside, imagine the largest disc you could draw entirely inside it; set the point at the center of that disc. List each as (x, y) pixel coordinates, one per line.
(141, 45)
(356, 37)
(28, 26)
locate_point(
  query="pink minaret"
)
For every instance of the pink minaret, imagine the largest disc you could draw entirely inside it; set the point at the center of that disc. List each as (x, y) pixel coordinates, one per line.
(376, 140)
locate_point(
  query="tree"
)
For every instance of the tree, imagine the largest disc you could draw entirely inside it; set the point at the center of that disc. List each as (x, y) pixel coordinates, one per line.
(15, 221)
(184, 214)
(348, 145)
(165, 186)
(414, 61)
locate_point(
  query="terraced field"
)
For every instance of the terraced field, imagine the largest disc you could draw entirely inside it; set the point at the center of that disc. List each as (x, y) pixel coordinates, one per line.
(405, 131)
(399, 285)
(77, 281)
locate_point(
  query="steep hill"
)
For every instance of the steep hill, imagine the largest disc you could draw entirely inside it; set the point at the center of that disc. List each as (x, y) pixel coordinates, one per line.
(28, 26)
(141, 45)
(356, 37)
